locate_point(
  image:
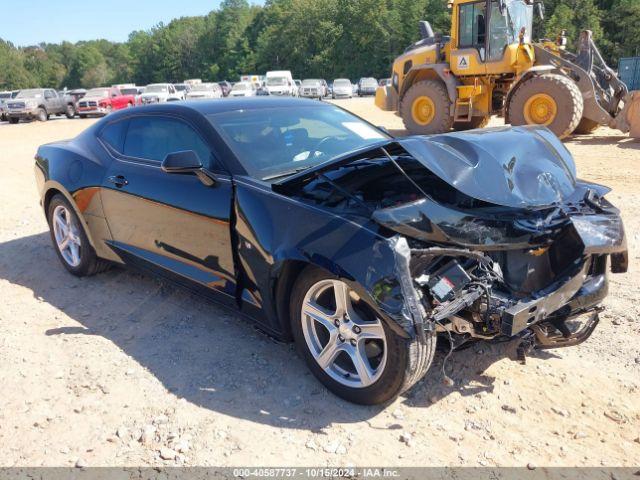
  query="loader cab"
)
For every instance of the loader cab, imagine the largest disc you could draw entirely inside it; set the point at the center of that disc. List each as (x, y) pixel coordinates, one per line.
(486, 35)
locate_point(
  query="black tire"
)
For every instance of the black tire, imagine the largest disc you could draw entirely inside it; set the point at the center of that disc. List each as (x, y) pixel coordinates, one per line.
(442, 120)
(476, 122)
(42, 115)
(83, 116)
(586, 126)
(70, 111)
(13, 120)
(407, 359)
(564, 92)
(89, 264)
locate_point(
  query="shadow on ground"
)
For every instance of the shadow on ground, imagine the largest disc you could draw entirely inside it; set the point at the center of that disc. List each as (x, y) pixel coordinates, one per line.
(206, 354)
(620, 141)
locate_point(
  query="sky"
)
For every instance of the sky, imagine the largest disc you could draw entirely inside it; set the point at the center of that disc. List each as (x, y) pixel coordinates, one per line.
(29, 22)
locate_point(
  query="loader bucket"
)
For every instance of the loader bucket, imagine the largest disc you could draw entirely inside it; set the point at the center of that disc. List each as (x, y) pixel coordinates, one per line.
(633, 114)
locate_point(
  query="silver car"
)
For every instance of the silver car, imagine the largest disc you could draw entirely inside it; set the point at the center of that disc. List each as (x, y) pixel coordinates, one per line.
(342, 88)
(204, 91)
(312, 88)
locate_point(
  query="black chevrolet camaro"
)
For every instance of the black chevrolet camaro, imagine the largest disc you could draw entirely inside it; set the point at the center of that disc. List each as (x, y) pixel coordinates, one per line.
(362, 248)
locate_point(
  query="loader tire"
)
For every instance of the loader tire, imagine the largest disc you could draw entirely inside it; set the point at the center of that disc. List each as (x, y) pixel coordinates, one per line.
(586, 126)
(551, 100)
(426, 109)
(476, 122)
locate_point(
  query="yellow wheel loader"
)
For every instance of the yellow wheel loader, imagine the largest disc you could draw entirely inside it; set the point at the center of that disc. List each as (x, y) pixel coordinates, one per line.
(490, 65)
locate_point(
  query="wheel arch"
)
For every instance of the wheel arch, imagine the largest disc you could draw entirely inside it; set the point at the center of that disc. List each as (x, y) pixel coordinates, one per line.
(288, 271)
(533, 71)
(53, 188)
(433, 71)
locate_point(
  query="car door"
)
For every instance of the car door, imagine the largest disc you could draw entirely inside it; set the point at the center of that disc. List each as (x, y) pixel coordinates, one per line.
(170, 223)
(116, 99)
(51, 101)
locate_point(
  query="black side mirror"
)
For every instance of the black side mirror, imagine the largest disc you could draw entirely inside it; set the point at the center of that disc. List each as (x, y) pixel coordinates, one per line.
(186, 161)
(182, 162)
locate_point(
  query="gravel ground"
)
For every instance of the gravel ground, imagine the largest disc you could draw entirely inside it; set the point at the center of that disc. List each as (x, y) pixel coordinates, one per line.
(120, 369)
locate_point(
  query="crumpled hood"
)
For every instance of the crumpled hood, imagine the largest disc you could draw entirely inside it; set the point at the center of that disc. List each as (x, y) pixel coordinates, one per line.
(520, 167)
(516, 167)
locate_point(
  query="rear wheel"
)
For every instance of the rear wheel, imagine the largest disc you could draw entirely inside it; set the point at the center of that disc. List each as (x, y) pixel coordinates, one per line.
(83, 116)
(13, 120)
(476, 122)
(41, 115)
(551, 100)
(348, 347)
(425, 108)
(70, 240)
(586, 127)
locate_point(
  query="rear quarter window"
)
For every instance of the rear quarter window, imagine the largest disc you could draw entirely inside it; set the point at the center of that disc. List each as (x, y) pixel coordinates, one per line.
(113, 135)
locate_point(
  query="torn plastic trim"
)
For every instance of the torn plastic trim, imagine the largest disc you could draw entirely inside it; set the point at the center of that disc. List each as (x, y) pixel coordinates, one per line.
(413, 310)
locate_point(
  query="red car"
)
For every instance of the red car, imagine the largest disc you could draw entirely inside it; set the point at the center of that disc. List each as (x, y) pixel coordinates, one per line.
(102, 101)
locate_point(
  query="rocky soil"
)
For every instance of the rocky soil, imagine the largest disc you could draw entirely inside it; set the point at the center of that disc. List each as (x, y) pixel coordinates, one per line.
(121, 369)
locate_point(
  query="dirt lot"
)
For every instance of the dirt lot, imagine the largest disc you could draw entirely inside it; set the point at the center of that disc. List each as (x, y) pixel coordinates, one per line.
(120, 369)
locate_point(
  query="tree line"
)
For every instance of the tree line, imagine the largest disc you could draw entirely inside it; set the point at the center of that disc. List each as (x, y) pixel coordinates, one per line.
(312, 38)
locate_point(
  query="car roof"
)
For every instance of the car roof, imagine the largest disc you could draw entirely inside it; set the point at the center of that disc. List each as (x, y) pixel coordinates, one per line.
(208, 107)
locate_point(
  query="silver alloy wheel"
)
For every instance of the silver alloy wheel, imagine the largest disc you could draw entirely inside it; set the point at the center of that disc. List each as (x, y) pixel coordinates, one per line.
(349, 348)
(67, 235)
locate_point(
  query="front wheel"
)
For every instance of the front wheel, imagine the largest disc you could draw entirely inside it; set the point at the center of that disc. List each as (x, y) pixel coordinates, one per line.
(426, 109)
(551, 100)
(353, 352)
(70, 112)
(41, 115)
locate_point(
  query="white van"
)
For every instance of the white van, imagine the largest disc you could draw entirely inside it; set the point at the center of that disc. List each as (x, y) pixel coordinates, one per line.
(280, 82)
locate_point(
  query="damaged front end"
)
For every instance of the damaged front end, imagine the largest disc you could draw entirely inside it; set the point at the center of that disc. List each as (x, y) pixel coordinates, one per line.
(494, 236)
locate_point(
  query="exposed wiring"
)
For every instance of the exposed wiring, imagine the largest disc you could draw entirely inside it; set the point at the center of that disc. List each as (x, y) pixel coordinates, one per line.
(446, 378)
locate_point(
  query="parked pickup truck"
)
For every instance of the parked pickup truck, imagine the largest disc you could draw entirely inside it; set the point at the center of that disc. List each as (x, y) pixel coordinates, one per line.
(102, 101)
(160, 93)
(4, 97)
(39, 104)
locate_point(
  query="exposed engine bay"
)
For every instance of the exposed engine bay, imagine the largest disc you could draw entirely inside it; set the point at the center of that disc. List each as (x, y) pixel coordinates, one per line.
(498, 236)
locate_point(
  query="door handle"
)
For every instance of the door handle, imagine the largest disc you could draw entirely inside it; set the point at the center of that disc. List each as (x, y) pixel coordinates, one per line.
(118, 180)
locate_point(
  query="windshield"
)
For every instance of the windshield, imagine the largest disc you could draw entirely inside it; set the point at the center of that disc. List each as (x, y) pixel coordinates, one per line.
(505, 29)
(30, 93)
(129, 91)
(180, 87)
(290, 140)
(341, 82)
(156, 88)
(311, 83)
(5, 95)
(98, 92)
(276, 81)
(241, 86)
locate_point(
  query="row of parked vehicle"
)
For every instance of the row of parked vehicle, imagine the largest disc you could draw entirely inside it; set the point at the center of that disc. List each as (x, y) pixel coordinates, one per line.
(41, 103)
